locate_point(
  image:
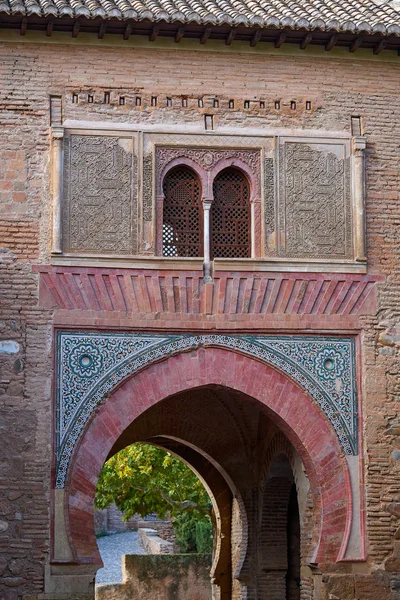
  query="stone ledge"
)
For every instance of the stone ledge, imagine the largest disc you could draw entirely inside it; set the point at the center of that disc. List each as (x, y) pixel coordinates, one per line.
(152, 543)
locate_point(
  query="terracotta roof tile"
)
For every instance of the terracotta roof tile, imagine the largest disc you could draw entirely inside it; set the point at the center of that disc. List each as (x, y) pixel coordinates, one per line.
(371, 16)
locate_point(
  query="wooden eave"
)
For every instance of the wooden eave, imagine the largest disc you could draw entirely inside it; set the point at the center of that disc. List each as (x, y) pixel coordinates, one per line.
(225, 33)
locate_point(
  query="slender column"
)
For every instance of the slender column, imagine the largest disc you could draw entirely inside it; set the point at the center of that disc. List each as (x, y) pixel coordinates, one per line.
(253, 230)
(359, 144)
(207, 261)
(57, 184)
(159, 224)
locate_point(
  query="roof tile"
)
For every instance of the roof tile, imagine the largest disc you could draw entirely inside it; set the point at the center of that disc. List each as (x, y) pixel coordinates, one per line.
(375, 16)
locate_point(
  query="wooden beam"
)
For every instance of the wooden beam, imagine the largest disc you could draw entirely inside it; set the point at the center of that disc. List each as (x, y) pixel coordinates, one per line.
(231, 37)
(305, 41)
(357, 43)
(179, 34)
(128, 31)
(24, 26)
(154, 33)
(49, 28)
(281, 40)
(380, 46)
(256, 38)
(332, 42)
(75, 29)
(102, 30)
(205, 35)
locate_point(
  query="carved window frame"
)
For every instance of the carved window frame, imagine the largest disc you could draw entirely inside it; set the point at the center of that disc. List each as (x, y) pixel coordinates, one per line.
(207, 163)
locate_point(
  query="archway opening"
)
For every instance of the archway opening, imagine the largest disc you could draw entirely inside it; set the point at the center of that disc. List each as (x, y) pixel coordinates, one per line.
(227, 415)
(279, 534)
(228, 439)
(150, 502)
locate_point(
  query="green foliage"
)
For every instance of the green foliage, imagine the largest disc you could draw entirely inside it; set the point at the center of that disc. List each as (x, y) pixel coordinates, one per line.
(204, 536)
(193, 532)
(144, 479)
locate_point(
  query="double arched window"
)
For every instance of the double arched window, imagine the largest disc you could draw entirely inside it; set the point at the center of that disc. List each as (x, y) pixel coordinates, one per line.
(230, 224)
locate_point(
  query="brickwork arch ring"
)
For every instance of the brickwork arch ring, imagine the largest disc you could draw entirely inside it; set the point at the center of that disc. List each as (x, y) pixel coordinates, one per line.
(244, 169)
(283, 400)
(182, 161)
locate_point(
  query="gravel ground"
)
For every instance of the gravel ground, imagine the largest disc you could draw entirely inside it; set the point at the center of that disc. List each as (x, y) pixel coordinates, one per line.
(112, 547)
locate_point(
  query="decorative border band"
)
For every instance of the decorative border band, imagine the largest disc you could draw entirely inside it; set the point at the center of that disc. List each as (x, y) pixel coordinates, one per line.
(90, 365)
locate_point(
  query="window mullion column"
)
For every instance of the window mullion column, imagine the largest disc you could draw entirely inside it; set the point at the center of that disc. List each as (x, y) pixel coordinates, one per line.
(207, 241)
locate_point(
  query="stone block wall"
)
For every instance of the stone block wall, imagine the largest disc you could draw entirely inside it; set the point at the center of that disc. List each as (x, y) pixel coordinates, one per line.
(110, 520)
(153, 543)
(181, 576)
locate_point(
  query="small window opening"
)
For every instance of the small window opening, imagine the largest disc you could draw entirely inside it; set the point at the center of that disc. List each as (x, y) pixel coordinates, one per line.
(90, 99)
(169, 101)
(262, 104)
(308, 105)
(293, 105)
(231, 104)
(138, 101)
(184, 102)
(209, 122)
(182, 214)
(154, 101)
(122, 100)
(74, 98)
(200, 102)
(106, 97)
(230, 214)
(277, 105)
(216, 103)
(247, 103)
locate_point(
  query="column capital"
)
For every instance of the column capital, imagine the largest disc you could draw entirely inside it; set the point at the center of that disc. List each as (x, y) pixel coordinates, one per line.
(57, 132)
(359, 143)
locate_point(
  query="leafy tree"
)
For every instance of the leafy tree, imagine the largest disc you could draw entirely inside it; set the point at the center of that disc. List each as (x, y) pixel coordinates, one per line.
(143, 479)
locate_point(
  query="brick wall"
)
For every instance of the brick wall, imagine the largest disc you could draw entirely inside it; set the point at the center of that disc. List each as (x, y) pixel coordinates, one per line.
(337, 89)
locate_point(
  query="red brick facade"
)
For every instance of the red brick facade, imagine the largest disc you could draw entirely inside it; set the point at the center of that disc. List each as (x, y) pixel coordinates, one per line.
(220, 410)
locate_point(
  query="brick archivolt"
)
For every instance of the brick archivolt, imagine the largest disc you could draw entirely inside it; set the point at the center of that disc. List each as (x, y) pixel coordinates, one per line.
(286, 404)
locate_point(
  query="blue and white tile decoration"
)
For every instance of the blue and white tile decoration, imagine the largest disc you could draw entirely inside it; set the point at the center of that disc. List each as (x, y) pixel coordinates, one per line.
(90, 365)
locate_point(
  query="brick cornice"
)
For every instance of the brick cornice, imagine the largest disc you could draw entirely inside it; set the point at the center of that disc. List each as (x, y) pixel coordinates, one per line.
(234, 296)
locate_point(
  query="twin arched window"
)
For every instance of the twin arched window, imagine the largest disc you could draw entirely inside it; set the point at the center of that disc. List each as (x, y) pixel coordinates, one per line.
(183, 215)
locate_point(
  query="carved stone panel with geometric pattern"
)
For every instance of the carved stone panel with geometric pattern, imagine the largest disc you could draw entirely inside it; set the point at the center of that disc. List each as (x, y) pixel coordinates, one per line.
(100, 195)
(314, 213)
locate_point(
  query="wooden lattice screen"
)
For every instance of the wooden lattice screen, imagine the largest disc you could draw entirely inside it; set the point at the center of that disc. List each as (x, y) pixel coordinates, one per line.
(231, 216)
(182, 214)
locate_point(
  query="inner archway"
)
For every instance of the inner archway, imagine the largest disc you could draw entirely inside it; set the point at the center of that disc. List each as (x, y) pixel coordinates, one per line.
(161, 508)
(222, 409)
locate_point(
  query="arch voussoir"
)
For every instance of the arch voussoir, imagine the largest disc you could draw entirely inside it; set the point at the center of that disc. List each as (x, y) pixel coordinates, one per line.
(290, 407)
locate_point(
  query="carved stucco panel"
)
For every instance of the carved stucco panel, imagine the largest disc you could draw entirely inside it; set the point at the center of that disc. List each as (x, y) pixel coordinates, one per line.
(314, 201)
(100, 195)
(269, 207)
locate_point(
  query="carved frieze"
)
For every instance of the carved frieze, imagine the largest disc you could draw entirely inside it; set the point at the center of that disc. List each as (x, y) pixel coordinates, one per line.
(148, 187)
(269, 207)
(314, 201)
(207, 158)
(100, 195)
